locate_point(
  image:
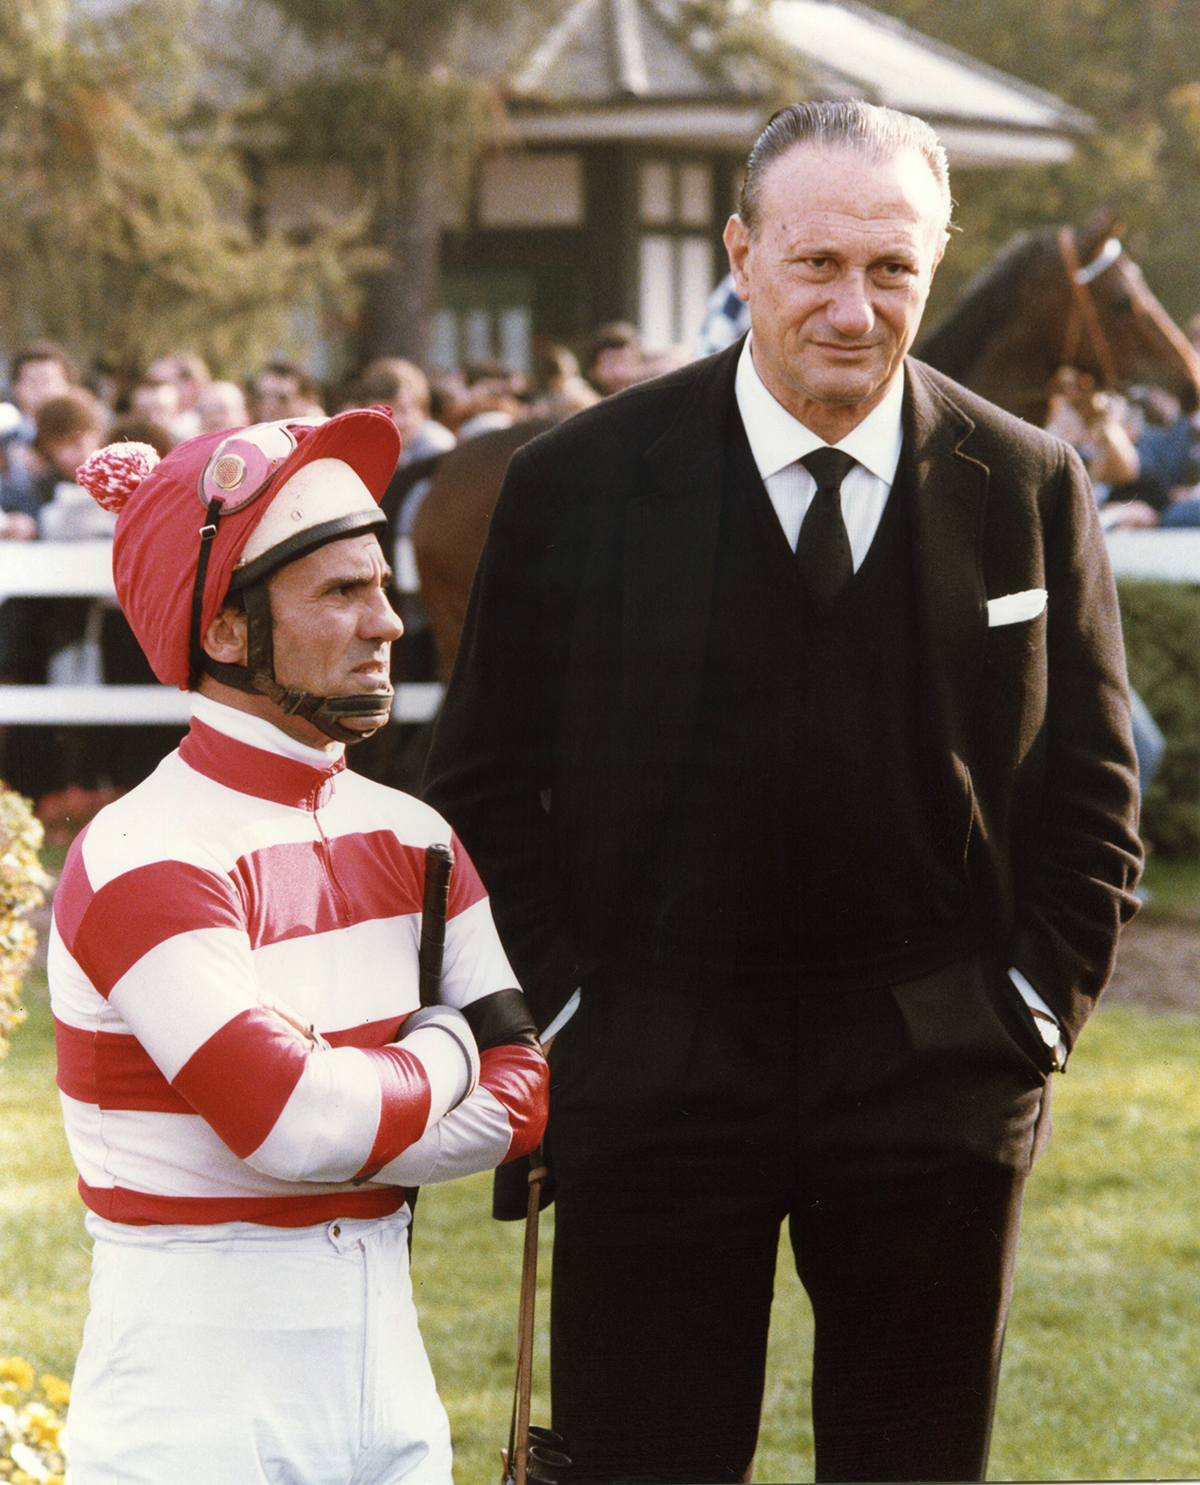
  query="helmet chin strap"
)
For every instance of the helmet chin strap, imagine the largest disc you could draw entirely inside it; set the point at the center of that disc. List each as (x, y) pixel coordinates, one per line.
(327, 713)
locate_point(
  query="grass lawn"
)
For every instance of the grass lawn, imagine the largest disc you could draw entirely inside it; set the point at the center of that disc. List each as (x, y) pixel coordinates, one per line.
(1102, 1369)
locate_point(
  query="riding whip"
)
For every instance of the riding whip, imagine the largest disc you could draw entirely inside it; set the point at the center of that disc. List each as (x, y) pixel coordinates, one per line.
(435, 905)
(439, 862)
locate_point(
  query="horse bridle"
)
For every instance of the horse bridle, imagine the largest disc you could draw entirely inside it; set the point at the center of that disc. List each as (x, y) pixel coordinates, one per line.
(1084, 315)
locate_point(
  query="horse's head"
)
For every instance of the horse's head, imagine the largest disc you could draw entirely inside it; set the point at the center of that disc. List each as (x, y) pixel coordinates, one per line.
(1115, 328)
(1066, 298)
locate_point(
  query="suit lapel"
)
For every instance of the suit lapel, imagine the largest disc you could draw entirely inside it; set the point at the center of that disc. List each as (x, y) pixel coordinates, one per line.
(671, 534)
(949, 492)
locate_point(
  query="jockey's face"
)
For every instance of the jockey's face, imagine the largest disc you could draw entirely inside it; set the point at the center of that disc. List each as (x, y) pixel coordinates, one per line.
(333, 628)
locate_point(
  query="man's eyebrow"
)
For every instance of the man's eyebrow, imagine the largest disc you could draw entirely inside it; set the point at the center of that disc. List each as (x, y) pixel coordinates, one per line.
(362, 575)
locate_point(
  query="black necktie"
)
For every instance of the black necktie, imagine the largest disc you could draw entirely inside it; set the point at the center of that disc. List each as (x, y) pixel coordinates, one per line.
(823, 548)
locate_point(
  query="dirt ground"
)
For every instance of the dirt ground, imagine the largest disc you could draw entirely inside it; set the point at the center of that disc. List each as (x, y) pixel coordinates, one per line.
(1158, 965)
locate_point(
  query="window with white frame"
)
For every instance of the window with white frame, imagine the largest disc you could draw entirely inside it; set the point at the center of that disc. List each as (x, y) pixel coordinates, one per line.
(675, 249)
(484, 317)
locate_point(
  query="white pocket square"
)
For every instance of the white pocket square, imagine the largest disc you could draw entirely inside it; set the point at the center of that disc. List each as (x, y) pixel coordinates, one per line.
(1016, 608)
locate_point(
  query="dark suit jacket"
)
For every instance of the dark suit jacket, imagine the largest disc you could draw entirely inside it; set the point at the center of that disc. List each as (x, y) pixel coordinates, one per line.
(578, 679)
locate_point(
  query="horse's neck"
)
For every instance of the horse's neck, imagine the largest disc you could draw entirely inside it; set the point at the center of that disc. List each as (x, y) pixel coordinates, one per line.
(1014, 371)
(1011, 369)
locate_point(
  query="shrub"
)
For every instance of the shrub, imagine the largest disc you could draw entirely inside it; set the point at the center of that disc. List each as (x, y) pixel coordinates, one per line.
(1162, 641)
(22, 881)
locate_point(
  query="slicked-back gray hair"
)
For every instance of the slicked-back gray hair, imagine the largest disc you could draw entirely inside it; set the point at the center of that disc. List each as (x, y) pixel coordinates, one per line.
(880, 133)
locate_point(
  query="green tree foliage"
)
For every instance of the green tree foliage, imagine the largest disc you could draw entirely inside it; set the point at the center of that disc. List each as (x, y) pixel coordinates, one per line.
(125, 228)
(403, 91)
(1134, 66)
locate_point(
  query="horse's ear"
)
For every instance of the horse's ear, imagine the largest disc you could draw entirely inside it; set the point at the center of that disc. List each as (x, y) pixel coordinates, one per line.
(1104, 222)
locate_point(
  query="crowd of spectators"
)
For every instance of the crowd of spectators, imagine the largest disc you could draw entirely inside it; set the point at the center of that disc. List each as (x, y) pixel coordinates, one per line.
(1141, 448)
(1142, 451)
(55, 415)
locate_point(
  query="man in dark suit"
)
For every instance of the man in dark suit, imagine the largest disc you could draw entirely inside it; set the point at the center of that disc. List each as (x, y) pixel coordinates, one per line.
(810, 839)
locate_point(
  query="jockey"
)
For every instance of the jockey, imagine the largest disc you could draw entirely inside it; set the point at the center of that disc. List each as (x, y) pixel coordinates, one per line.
(249, 1086)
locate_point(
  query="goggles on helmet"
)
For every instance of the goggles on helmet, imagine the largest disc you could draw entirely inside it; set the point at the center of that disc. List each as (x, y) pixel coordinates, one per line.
(246, 462)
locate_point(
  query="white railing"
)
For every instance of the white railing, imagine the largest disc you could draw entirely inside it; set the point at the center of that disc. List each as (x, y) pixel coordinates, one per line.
(1173, 554)
(83, 569)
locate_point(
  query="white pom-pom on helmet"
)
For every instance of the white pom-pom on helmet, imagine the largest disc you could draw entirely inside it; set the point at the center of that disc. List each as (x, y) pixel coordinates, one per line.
(113, 473)
(221, 513)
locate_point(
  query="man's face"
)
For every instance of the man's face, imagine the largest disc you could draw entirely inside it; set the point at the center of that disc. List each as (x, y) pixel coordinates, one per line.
(408, 414)
(277, 396)
(158, 401)
(617, 367)
(69, 452)
(37, 382)
(333, 628)
(221, 405)
(836, 273)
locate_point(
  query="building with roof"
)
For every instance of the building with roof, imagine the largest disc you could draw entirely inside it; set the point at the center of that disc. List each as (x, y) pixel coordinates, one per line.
(627, 130)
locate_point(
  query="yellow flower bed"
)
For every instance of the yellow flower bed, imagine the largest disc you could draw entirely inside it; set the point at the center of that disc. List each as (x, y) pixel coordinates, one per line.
(32, 1415)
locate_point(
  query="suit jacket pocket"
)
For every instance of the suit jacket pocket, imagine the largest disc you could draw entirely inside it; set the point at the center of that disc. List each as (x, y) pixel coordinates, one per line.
(623, 1053)
(984, 1071)
(963, 1014)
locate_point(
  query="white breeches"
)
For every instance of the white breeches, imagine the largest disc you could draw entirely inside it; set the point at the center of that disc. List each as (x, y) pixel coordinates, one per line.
(252, 1355)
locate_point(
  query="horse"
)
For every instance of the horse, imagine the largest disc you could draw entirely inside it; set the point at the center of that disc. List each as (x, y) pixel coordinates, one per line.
(1069, 296)
(451, 525)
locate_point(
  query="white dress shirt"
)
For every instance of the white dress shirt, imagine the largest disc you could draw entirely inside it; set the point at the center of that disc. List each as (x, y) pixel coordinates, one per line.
(777, 440)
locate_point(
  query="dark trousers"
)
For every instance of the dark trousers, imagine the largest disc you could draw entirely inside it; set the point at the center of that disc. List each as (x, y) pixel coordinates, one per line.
(892, 1129)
